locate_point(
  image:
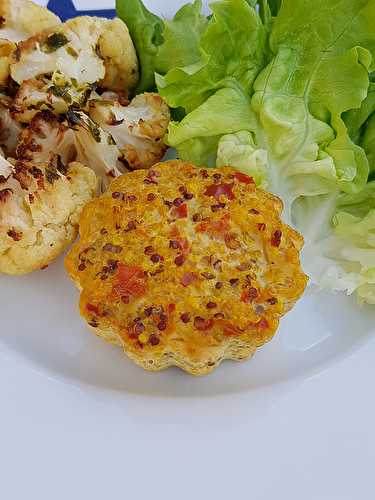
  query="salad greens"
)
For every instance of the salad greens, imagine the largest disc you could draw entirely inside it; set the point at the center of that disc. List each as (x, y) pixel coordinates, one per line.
(162, 44)
(181, 38)
(146, 32)
(284, 91)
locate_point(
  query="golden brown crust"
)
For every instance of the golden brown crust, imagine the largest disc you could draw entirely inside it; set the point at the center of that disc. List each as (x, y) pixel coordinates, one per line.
(39, 212)
(26, 17)
(120, 58)
(184, 266)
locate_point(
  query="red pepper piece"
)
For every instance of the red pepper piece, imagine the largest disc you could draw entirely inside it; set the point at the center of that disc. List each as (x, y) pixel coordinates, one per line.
(130, 281)
(216, 190)
(93, 309)
(188, 278)
(216, 228)
(231, 330)
(180, 212)
(245, 179)
(202, 324)
(249, 294)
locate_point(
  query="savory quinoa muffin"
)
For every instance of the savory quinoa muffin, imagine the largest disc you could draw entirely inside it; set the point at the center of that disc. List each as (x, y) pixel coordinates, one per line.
(186, 266)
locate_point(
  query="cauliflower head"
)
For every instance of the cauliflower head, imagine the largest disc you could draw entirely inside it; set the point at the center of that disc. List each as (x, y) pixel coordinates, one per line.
(19, 20)
(114, 139)
(138, 129)
(86, 50)
(39, 212)
(120, 59)
(95, 148)
(50, 138)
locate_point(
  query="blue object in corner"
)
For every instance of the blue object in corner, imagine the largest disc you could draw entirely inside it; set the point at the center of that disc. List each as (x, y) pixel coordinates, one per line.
(65, 10)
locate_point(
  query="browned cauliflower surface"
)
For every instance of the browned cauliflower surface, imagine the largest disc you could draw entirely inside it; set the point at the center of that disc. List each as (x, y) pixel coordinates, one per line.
(86, 50)
(20, 19)
(39, 211)
(67, 126)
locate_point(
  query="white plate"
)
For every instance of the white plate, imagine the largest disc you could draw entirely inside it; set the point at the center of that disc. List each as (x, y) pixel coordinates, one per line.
(79, 420)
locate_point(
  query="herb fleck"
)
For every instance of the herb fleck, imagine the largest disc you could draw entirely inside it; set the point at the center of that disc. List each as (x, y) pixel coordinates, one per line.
(54, 42)
(52, 174)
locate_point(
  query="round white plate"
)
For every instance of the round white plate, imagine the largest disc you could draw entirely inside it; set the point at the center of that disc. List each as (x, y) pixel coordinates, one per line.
(79, 420)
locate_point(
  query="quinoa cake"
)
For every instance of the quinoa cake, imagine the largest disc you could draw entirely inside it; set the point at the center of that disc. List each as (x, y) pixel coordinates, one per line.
(185, 266)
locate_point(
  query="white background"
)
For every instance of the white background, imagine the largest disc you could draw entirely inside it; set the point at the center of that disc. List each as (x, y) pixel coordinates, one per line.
(312, 440)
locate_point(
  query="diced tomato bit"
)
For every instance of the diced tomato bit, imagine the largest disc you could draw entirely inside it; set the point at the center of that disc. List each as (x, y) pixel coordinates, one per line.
(245, 179)
(175, 233)
(263, 324)
(93, 309)
(180, 242)
(216, 228)
(171, 308)
(188, 278)
(180, 212)
(202, 227)
(249, 294)
(202, 324)
(184, 246)
(130, 281)
(230, 330)
(217, 190)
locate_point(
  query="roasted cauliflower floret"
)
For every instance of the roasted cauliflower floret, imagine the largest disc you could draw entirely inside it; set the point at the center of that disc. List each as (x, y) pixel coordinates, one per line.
(50, 138)
(120, 59)
(125, 137)
(95, 148)
(10, 129)
(83, 50)
(39, 212)
(6, 50)
(19, 20)
(34, 96)
(47, 139)
(56, 94)
(138, 129)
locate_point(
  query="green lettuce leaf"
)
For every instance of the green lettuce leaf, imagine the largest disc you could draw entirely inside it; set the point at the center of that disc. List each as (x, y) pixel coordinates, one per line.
(146, 30)
(345, 259)
(300, 98)
(361, 125)
(241, 149)
(233, 53)
(284, 91)
(162, 44)
(355, 119)
(368, 143)
(201, 151)
(181, 36)
(226, 111)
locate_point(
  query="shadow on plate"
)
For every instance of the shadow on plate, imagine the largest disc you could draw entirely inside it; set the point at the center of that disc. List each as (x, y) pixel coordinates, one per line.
(40, 322)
